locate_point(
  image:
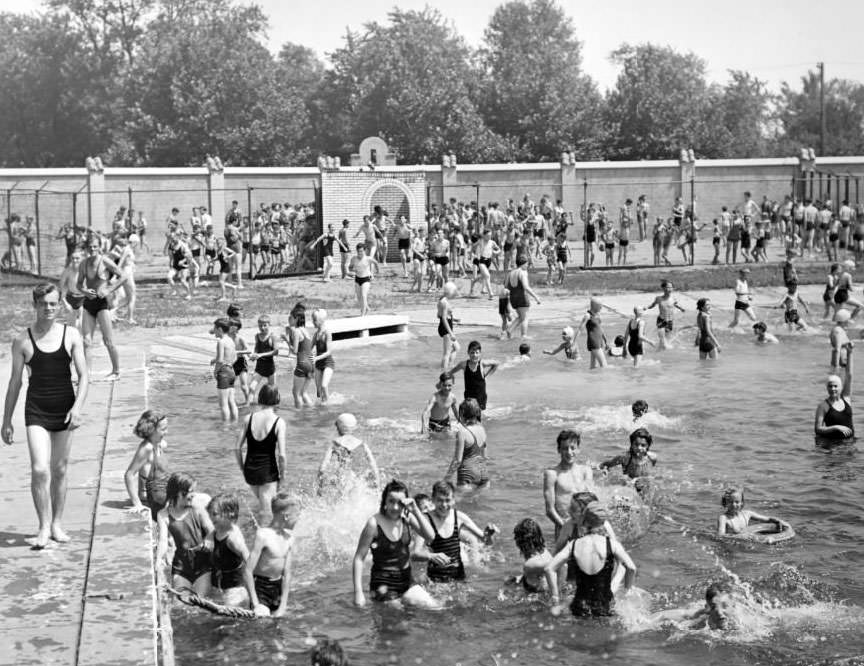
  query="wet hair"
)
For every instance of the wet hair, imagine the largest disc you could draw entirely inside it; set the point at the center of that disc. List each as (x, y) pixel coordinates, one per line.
(269, 396)
(760, 326)
(524, 348)
(469, 411)
(147, 423)
(179, 483)
(729, 492)
(421, 497)
(618, 341)
(474, 344)
(234, 310)
(361, 246)
(835, 267)
(639, 408)
(298, 313)
(235, 322)
(328, 652)
(584, 498)
(226, 505)
(442, 488)
(529, 537)
(445, 377)
(264, 319)
(394, 486)
(568, 436)
(40, 291)
(700, 304)
(223, 324)
(641, 433)
(713, 590)
(595, 516)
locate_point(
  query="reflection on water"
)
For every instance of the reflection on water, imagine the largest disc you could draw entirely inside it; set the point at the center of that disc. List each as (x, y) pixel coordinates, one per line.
(745, 419)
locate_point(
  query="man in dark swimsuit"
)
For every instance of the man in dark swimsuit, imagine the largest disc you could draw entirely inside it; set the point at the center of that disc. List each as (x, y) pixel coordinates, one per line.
(52, 409)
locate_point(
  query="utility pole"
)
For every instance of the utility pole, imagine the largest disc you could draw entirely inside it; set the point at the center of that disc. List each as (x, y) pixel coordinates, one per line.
(821, 66)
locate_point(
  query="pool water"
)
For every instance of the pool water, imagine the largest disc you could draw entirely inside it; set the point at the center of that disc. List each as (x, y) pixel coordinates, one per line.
(746, 418)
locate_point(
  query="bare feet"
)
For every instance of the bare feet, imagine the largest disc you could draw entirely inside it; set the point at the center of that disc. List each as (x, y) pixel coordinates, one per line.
(59, 535)
(113, 376)
(41, 540)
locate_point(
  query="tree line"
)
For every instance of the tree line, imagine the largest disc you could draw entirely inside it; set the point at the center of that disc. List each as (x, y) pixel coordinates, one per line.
(166, 82)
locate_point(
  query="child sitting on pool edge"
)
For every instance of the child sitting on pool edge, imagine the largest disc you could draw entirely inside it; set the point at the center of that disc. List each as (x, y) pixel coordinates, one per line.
(735, 517)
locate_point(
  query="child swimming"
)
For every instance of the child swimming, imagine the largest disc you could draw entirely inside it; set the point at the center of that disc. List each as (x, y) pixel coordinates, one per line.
(440, 406)
(735, 518)
(571, 351)
(339, 456)
(530, 542)
(565, 479)
(763, 337)
(715, 614)
(639, 409)
(638, 461)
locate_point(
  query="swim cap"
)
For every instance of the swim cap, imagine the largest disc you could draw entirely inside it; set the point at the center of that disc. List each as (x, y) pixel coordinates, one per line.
(347, 421)
(849, 263)
(450, 288)
(842, 316)
(595, 305)
(568, 331)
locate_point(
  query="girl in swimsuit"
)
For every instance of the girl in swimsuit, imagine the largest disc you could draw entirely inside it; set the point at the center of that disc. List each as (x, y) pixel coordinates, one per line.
(517, 283)
(705, 338)
(126, 263)
(263, 433)
(834, 414)
(325, 365)
(530, 542)
(595, 340)
(575, 528)
(469, 454)
(593, 557)
(735, 517)
(360, 268)
(188, 524)
(388, 535)
(149, 464)
(634, 337)
(638, 461)
(830, 288)
(300, 342)
(340, 454)
(93, 278)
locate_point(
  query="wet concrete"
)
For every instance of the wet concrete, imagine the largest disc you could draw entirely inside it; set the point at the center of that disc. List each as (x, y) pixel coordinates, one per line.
(90, 601)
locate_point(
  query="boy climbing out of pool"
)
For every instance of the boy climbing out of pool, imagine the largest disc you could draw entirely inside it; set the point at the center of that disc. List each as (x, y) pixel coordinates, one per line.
(444, 553)
(436, 415)
(531, 544)
(266, 349)
(476, 371)
(231, 580)
(223, 368)
(735, 518)
(339, 456)
(270, 559)
(666, 305)
(565, 479)
(568, 346)
(789, 303)
(638, 461)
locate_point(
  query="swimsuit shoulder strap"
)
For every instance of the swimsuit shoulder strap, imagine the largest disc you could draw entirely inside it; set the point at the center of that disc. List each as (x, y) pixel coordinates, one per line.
(275, 423)
(32, 339)
(432, 523)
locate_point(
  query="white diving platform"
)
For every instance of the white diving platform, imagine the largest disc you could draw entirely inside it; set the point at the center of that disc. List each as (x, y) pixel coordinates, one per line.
(371, 329)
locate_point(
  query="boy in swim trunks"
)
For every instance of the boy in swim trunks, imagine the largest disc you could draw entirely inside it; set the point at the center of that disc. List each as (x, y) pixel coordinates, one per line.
(742, 298)
(666, 306)
(763, 337)
(839, 339)
(223, 368)
(270, 559)
(504, 311)
(789, 303)
(440, 406)
(566, 478)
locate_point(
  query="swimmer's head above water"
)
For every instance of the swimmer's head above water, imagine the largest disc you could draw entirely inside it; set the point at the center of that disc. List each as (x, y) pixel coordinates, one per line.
(568, 333)
(640, 442)
(733, 499)
(345, 423)
(529, 538)
(640, 408)
(718, 597)
(450, 289)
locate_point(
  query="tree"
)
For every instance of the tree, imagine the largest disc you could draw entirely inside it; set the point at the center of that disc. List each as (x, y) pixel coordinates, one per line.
(51, 95)
(410, 82)
(844, 116)
(205, 83)
(745, 117)
(537, 95)
(658, 104)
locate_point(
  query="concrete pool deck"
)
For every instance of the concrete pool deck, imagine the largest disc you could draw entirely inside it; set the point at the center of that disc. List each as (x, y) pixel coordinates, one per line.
(93, 601)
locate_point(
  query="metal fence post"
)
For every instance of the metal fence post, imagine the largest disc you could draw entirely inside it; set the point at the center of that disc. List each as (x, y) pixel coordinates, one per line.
(692, 218)
(38, 232)
(128, 222)
(249, 209)
(584, 217)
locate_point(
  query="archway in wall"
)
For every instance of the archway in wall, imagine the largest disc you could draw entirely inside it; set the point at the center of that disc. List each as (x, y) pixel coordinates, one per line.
(393, 200)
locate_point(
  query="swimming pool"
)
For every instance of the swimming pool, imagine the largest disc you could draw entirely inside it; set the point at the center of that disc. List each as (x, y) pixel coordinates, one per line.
(746, 418)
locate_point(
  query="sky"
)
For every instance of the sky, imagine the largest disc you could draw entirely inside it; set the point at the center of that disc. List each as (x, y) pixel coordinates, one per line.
(777, 40)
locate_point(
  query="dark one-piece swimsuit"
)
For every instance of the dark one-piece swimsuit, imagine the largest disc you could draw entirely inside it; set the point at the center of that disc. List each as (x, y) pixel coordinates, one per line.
(391, 565)
(260, 465)
(50, 395)
(593, 596)
(451, 547)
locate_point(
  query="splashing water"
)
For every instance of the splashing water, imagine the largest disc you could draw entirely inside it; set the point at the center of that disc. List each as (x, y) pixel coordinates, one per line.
(609, 417)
